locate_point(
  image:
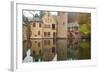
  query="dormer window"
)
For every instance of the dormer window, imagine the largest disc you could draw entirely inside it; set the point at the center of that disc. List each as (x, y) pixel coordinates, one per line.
(39, 24)
(34, 25)
(53, 26)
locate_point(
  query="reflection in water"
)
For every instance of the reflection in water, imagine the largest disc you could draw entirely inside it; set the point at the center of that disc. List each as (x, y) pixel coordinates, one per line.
(57, 49)
(28, 58)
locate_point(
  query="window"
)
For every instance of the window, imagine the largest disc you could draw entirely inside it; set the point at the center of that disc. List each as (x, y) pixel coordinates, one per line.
(54, 34)
(63, 23)
(48, 34)
(35, 35)
(53, 26)
(39, 24)
(34, 52)
(39, 44)
(53, 49)
(48, 41)
(46, 26)
(34, 25)
(45, 33)
(39, 51)
(54, 41)
(38, 32)
(45, 42)
(35, 41)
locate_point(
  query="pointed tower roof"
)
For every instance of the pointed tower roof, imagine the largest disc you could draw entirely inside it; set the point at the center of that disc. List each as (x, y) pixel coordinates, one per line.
(37, 18)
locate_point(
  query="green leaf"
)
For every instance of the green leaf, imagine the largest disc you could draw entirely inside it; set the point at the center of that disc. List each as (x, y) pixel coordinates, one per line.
(84, 29)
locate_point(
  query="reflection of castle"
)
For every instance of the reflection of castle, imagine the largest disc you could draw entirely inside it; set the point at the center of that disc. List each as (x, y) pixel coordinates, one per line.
(73, 30)
(73, 26)
(49, 49)
(24, 31)
(61, 49)
(43, 49)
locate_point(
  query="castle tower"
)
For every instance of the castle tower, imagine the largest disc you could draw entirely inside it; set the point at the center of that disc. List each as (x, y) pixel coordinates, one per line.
(49, 25)
(62, 22)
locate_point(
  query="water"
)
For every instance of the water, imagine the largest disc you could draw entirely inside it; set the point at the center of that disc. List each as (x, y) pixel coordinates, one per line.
(57, 49)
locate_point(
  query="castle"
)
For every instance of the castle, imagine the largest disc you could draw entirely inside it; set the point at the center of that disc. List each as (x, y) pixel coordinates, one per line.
(46, 25)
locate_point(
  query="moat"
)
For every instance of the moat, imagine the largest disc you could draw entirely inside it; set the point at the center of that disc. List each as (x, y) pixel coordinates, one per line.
(38, 50)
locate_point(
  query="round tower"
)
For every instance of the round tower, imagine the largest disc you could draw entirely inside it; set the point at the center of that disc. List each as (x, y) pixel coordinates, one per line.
(62, 24)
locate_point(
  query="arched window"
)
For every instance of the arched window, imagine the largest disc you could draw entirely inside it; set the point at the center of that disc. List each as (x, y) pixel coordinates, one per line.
(38, 32)
(53, 26)
(34, 25)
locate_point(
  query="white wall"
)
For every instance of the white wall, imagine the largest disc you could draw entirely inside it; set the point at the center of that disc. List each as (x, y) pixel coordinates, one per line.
(5, 36)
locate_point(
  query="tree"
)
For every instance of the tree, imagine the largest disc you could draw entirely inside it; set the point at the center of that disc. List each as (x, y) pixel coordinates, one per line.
(27, 23)
(84, 19)
(84, 28)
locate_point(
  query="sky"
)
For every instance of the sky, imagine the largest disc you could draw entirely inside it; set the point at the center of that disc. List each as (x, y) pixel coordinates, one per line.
(30, 14)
